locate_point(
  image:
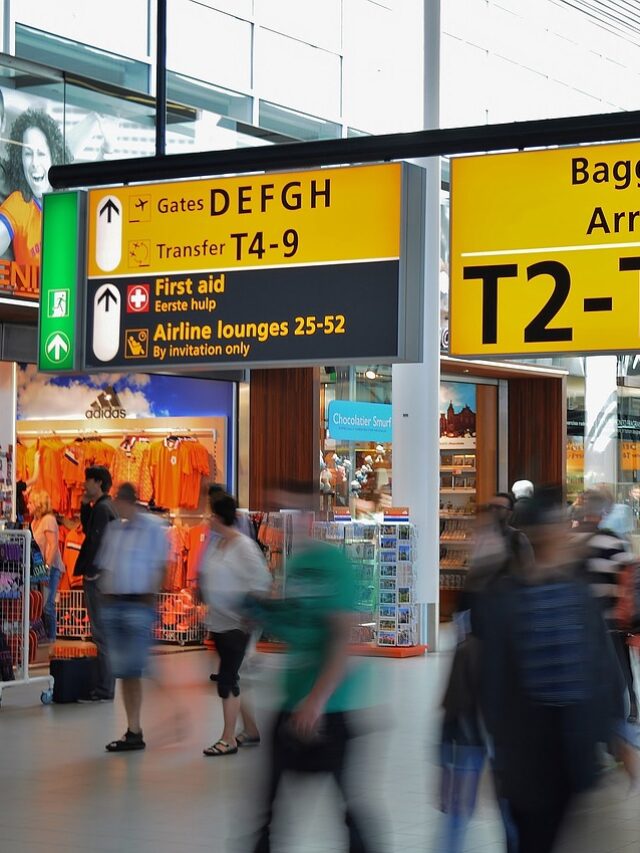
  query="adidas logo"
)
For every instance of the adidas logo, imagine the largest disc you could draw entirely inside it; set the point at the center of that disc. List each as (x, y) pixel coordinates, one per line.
(106, 405)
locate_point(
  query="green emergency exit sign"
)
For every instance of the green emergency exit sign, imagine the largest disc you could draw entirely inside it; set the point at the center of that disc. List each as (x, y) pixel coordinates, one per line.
(61, 276)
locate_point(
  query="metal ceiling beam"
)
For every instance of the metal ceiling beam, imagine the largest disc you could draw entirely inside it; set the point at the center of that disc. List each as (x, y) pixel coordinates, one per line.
(541, 133)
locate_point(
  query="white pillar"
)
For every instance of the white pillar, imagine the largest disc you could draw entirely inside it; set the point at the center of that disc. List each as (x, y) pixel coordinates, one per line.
(416, 387)
(601, 421)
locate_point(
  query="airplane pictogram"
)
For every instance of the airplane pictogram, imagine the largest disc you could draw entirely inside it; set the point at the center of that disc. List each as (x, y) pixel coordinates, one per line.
(139, 207)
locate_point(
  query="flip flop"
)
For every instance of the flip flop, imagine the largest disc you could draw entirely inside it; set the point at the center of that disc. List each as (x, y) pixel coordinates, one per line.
(243, 739)
(220, 747)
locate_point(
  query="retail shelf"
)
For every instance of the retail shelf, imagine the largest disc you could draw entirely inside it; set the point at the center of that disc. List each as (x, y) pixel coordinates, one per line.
(460, 491)
(459, 567)
(457, 469)
(457, 516)
(459, 543)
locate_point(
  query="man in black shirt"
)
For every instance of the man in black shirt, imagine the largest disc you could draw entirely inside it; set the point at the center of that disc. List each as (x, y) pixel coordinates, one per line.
(95, 513)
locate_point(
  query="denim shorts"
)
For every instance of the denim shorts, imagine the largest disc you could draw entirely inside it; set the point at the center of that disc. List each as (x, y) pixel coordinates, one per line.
(128, 626)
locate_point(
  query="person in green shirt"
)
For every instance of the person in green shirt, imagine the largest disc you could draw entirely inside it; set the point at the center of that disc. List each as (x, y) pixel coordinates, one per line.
(323, 688)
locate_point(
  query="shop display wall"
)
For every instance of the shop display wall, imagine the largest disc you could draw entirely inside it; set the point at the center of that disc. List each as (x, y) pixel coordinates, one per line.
(460, 406)
(457, 515)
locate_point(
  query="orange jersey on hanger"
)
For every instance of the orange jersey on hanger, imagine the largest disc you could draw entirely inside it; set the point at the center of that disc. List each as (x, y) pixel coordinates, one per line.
(73, 463)
(198, 539)
(198, 461)
(25, 461)
(49, 453)
(132, 466)
(98, 452)
(178, 553)
(168, 465)
(72, 544)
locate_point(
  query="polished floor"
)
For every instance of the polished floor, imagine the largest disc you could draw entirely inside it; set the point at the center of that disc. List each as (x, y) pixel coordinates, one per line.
(59, 790)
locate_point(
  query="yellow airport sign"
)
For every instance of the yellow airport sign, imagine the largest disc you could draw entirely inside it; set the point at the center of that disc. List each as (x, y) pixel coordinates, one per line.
(256, 221)
(314, 267)
(545, 252)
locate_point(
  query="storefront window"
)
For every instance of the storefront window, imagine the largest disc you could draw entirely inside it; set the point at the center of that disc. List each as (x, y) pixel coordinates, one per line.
(575, 437)
(356, 442)
(628, 485)
(119, 419)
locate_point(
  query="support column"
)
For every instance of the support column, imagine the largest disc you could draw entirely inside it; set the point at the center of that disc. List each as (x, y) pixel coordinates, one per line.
(416, 387)
(601, 421)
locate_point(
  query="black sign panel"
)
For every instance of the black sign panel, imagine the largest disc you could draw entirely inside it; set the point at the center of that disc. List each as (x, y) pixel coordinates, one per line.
(290, 314)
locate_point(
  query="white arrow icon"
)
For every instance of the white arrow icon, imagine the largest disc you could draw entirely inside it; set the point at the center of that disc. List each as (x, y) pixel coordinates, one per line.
(106, 322)
(108, 232)
(57, 346)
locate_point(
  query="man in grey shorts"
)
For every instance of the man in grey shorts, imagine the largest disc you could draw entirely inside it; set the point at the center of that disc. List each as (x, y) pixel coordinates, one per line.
(132, 561)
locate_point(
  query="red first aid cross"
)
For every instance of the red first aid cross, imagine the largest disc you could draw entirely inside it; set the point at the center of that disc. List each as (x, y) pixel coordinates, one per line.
(138, 298)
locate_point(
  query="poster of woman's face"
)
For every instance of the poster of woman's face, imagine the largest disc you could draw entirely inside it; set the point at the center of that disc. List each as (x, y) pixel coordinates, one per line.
(32, 140)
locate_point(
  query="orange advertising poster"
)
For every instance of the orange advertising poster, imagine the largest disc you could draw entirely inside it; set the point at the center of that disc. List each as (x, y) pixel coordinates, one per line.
(575, 455)
(630, 455)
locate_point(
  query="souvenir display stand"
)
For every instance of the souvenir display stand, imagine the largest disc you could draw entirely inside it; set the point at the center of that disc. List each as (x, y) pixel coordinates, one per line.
(18, 634)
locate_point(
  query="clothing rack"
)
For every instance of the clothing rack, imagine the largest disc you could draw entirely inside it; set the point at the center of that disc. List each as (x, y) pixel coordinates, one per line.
(116, 433)
(187, 515)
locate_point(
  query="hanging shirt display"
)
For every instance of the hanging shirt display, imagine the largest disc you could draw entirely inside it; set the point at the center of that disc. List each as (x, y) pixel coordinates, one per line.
(169, 470)
(168, 465)
(48, 471)
(198, 538)
(177, 466)
(131, 465)
(197, 458)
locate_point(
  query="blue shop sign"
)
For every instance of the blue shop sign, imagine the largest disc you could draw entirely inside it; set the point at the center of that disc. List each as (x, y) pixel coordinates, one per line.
(359, 421)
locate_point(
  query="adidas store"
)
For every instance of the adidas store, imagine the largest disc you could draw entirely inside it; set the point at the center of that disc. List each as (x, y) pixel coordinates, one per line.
(114, 414)
(170, 436)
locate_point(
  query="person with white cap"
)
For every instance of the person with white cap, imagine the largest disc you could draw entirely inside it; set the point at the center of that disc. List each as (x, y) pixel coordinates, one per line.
(522, 491)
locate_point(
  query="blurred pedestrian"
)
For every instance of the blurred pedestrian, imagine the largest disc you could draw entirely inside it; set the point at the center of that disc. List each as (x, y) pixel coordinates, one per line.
(550, 688)
(242, 524)
(498, 545)
(47, 535)
(607, 556)
(500, 550)
(523, 492)
(96, 511)
(232, 567)
(323, 689)
(132, 561)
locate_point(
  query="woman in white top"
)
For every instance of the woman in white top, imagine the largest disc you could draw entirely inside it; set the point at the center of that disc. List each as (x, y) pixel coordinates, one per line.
(232, 567)
(47, 535)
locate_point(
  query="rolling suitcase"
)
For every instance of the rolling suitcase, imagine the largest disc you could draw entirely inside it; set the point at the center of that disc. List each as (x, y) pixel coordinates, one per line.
(75, 678)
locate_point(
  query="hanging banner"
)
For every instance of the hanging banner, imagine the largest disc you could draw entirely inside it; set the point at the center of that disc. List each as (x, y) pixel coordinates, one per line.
(545, 252)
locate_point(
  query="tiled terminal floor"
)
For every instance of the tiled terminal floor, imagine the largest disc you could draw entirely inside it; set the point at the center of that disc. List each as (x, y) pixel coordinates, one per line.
(60, 792)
